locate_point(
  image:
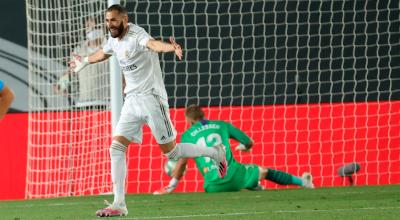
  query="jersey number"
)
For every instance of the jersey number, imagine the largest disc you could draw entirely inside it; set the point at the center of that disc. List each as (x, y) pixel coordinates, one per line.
(212, 139)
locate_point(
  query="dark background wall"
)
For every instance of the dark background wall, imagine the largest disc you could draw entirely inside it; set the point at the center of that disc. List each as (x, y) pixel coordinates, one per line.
(13, 21)
(276, 52)
(13, 53)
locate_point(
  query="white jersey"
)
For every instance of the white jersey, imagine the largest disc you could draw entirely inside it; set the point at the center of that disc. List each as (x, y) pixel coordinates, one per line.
(140, 65)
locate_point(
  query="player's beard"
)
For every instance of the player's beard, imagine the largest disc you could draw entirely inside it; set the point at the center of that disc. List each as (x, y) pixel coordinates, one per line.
(120, 30)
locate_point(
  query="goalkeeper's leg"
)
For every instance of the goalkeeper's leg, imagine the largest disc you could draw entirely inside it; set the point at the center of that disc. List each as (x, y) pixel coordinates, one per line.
(283, 178)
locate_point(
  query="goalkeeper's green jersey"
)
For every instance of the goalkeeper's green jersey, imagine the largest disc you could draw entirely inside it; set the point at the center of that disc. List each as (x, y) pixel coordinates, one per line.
(210, 133)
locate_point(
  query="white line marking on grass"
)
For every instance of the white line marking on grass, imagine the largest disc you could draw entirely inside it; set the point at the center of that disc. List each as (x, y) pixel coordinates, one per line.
(258, 213)
(194, 216)
(335, 210)
(99, 202)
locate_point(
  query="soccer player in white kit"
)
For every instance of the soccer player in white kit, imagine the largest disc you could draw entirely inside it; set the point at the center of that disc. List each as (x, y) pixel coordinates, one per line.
(145, 101)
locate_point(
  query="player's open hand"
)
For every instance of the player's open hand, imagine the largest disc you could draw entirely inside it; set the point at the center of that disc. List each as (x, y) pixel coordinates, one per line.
(75, 58)
(178, 48)
(77, 63)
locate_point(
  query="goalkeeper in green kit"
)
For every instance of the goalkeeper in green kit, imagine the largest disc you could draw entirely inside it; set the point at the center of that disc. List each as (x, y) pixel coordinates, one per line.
(209, 133)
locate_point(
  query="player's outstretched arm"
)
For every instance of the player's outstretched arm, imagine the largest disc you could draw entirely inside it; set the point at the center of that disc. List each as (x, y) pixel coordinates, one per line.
(6, 98)
(78, 62)
(177, 174)
(246, 143)
(180, 168)
(163, 47)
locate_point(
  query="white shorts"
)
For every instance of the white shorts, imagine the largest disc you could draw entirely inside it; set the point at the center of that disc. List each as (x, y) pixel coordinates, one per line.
(145, 109)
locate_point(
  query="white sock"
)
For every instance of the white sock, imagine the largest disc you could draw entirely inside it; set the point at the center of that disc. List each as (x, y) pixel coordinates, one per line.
(118, 171)
(187, 150)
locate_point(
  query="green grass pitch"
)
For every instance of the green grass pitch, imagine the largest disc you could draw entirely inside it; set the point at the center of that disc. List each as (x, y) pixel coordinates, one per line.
(367, 202)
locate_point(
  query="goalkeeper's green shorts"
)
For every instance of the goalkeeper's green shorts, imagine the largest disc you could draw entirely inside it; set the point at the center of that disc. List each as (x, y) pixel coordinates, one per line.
(245, 177)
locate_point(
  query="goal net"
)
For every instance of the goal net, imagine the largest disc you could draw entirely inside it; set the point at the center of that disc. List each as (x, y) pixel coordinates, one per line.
(69, 114)
(316, 84)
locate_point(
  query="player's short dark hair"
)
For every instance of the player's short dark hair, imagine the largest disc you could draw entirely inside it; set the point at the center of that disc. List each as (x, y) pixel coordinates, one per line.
(119, 8)
(194, 112)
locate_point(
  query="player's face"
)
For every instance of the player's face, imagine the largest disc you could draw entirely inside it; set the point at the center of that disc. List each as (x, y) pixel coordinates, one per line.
(116, 23)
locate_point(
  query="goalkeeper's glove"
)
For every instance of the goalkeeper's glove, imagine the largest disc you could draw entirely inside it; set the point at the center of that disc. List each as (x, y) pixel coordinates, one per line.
(80, 63)
(173, 183)
(243, 148)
